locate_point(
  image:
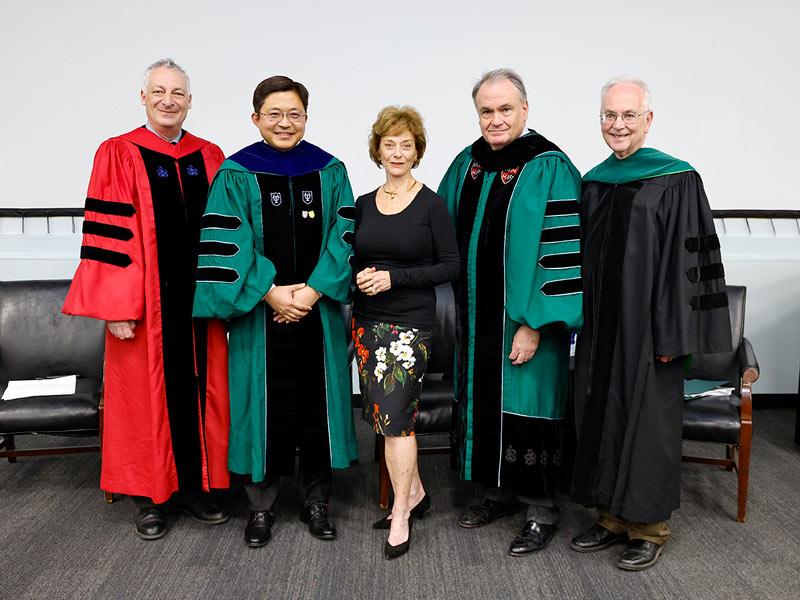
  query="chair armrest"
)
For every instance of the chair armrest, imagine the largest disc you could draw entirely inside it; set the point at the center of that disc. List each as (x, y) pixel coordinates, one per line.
(748, 370)
(748, 364)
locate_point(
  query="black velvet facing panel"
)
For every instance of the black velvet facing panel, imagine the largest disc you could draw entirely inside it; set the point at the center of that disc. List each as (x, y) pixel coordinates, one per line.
(710, 301)
(107, 207)
(213, 221)
(179, 189)
(606, 236)
(562, 287)
(110, 257)
(566, 260)
(560, 208)
(489, 318)
(702, 244)
(569, 233)
(219, 274)
(212, 248)
(292, 221)
(106, 230)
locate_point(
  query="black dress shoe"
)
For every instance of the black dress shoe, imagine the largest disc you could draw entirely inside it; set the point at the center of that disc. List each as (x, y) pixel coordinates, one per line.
(595, 538)
(639, 555)
(258, 530)
(319, 521)
(392, 552)
(151, 523)
(487, 511)
(202, 509)
(533, 536)
(417, 513)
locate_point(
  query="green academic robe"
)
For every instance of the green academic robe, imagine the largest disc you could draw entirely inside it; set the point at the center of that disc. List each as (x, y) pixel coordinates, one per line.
(277, 218)
(516, 216)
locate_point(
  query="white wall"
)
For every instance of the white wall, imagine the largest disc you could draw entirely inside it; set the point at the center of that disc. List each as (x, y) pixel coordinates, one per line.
(724, 75)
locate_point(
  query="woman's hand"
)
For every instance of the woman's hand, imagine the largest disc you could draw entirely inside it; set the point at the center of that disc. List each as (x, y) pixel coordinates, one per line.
(371, 281)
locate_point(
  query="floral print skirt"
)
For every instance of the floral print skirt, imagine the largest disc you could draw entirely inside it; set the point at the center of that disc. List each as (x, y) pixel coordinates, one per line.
(391, 363)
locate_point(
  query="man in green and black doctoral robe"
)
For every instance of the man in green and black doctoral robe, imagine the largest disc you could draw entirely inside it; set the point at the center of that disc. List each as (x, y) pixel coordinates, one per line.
(274, 260)
(654, 293)
(513, 196)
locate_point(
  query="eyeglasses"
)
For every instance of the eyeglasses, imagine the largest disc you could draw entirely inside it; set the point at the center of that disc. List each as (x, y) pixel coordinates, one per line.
(276, 116)
(629, 117)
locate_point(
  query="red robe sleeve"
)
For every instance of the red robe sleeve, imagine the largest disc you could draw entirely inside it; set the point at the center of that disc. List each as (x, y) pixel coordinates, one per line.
(109, 281)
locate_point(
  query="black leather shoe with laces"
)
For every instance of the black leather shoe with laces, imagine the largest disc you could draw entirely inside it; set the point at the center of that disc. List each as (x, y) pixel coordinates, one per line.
(533, 536)
(151, 522)
(487, 511)
(258, 530)
(319, 521)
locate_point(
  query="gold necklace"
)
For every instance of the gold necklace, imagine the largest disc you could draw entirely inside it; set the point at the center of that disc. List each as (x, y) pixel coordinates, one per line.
(393, 194)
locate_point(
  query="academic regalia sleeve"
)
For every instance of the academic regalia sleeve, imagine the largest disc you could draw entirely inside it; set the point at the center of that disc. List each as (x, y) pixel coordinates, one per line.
(690, 306)
(332, 275)
(232, 276)
(543, 282)
(109, 281)
(450, 186)
(445, 247)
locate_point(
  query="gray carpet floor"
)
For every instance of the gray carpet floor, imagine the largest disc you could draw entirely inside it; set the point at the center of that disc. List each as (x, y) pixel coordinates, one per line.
(58, 539)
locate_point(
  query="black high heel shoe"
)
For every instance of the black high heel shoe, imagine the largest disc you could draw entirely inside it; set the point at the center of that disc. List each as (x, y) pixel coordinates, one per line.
(417, 512)
(392, 552)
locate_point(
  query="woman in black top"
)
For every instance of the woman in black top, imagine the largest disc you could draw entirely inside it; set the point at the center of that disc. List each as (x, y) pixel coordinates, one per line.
(405, 245)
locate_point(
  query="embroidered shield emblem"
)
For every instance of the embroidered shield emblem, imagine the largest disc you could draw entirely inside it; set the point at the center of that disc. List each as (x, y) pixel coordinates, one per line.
(162, 172)
(508, 175)
(308, 197)
(475, 170)
(275, 198)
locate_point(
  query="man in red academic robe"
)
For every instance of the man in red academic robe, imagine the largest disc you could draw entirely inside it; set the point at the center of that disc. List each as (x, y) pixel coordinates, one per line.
(165, 429)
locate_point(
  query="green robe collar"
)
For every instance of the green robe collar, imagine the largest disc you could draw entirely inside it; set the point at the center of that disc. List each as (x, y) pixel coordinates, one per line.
(645, 163)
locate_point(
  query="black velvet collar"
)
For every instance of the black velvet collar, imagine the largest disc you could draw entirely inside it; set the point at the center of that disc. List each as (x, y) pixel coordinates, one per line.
(518, 152)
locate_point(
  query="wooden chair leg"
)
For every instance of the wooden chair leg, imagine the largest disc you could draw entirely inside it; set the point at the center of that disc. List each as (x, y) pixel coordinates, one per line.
(10, 445)
(383, 474)
(745, 440)
(729, 454)
(109, 497)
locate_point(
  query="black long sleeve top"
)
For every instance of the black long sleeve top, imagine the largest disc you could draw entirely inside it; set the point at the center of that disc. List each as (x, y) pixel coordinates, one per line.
(417, 246)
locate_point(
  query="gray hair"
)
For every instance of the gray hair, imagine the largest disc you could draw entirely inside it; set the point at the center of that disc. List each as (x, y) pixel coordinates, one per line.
(498, 74)
(169, 64)
(624, 79)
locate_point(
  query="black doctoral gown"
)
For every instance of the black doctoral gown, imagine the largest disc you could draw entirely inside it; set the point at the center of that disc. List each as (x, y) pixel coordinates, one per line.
(653, 285)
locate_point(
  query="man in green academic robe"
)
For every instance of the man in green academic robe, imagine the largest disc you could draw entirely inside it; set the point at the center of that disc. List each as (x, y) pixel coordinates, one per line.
(654, 293)
(513, 196)
(274, 260)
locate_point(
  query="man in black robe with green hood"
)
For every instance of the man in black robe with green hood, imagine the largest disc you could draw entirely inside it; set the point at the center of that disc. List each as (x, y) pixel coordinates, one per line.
(513, 196)
(654, 294)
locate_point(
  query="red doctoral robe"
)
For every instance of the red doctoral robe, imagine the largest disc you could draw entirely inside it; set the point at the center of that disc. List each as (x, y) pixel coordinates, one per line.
(166, 416)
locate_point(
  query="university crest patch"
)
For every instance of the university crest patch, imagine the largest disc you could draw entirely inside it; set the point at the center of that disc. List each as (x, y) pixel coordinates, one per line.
(508, 175)
(475, 170)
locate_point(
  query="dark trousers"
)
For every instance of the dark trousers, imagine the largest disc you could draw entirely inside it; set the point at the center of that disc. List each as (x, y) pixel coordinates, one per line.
(314, 484)
(541, 509)
(180, 496)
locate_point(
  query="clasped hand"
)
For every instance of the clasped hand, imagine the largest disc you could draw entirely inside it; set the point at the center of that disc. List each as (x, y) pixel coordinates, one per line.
(371, 281)
(290, 303)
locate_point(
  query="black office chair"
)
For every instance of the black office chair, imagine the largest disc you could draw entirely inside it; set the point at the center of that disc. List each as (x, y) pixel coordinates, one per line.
(37, 341)
(726, 420)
